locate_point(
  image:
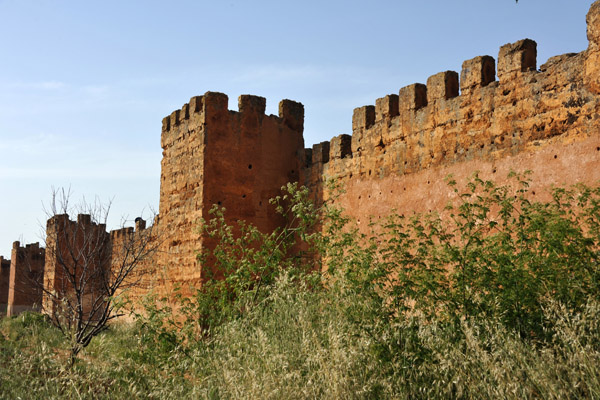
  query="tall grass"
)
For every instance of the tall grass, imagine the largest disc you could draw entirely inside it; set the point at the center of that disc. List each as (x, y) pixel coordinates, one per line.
(304, 344)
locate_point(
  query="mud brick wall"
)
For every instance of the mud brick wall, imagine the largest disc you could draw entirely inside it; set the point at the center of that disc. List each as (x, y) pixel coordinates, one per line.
(26, 278)
(495, 116)
(234, 159)
(132, 253)
(4, 283)
(488, 118)
(80, 248)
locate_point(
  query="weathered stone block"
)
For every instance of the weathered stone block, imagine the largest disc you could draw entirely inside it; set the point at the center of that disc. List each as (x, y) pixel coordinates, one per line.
(185, 112)
(308, 157)
(412, 97)
(166, 124)
(443, 85)
(252, 104)
(592, 59)
(363, 117)
(174, 118)
(477, 72)
(386, 107)
(320, 153)
(84, 219)
(516, 57)
(196, 104)
(292, 114)
(140, 224)
(340, 147)
(214, 103)
(593, 24)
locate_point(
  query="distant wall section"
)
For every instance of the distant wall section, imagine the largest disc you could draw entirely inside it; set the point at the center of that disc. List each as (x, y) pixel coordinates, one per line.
(26, 278)
(4, 283)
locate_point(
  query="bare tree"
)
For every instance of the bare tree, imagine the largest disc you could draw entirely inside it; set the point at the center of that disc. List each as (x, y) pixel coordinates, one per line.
(87, 268)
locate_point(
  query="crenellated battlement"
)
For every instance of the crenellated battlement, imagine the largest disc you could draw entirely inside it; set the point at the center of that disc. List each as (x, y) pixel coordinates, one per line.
(25, 278)
(457, 117)
(290, 112)
(122, 233)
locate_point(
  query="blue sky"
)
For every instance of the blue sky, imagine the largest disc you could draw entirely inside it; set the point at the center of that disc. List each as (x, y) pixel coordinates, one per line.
(84, 85)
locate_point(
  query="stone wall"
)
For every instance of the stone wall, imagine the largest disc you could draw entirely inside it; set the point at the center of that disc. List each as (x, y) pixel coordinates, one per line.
(214, 156)
(26, 278)
(546, 120)
(401, 149)
(77, 259)
(83, 252)
(4, 283)
(132, 256)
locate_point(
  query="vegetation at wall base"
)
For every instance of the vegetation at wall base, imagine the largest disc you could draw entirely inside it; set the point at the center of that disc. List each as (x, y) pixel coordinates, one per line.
(495, 297)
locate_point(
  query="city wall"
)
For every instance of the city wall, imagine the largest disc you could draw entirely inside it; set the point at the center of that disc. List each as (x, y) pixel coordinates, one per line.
(26, 278)
(4, 280)
(545, 120)
(495, 116)
(83, 259)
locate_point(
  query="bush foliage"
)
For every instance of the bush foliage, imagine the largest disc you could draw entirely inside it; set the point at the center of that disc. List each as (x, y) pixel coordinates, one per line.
(496, 296)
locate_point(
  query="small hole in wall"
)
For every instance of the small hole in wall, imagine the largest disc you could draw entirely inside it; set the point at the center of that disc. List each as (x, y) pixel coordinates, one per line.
(555, 156)
(597, 148)
(249, 166)
(218, 203)
(260, 203)
(359, 197)
(494, 171)
(369, 172)
(428, 182)
(369, 196)
(405, 189)
(293, 172)
(243, 196)
(350, 174)
(533, 192)
(405, 162)
(514, 103)
(481, 146)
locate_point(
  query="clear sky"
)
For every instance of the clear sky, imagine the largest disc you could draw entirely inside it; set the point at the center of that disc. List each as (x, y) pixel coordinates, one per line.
(84, 84)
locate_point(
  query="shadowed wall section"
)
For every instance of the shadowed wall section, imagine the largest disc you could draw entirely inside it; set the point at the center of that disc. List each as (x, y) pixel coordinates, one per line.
(26, 278)
(4, 281)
